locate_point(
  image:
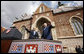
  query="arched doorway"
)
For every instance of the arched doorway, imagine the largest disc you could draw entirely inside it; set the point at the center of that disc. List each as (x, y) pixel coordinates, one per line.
(40, 23)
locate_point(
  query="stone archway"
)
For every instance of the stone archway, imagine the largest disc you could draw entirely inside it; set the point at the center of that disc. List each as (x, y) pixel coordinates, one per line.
(40, 23)
(34, 24)
(43, 19)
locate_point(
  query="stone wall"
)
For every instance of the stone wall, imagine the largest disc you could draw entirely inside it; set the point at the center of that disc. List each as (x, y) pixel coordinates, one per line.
(62, 22)
(70, 43)
(21, 23)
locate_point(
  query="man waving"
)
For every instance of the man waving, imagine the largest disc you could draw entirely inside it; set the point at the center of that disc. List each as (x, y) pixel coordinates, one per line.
(47, 31)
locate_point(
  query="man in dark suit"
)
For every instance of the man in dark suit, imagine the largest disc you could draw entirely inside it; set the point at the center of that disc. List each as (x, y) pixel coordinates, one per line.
(47, 31)
(11, 34)
(33, 33)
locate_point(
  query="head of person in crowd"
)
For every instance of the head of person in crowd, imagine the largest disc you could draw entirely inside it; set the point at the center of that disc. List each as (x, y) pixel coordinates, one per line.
(76, 46)
(79, 46)
(45, 25)
(36, 29)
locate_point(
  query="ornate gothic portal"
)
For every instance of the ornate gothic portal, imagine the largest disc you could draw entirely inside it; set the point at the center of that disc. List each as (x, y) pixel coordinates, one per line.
(40, 23)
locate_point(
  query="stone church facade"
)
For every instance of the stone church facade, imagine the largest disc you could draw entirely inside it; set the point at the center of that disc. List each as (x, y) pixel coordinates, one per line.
(68, 23)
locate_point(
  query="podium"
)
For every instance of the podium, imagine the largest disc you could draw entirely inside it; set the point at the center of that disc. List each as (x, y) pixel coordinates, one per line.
(35, 46)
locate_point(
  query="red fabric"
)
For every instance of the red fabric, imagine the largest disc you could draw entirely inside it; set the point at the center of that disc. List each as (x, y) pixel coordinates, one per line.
(33, 46)
(58, 47)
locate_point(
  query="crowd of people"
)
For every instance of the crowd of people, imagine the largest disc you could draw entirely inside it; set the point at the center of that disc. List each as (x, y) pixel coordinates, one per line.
(79, 49)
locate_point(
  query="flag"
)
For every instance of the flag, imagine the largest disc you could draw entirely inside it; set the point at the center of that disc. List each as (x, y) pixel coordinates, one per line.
(48, 48)
(16, 48)
(58, 48)
(31, 48)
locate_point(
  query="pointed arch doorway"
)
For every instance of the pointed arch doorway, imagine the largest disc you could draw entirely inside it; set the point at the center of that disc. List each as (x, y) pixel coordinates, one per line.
(39, 22)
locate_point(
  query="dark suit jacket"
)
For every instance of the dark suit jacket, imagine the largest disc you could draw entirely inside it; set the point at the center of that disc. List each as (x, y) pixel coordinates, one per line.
(14, 34)
(47, 32)
(79, 50)
(32, 36)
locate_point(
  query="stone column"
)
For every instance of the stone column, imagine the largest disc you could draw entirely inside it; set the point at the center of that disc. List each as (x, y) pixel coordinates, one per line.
(26, 36)
(54, 31)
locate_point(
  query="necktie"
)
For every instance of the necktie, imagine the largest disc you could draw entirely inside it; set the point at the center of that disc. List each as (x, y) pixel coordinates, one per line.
(44, 28)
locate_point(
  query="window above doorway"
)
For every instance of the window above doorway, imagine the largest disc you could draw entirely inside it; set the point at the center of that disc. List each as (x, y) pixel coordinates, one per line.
(41, 9)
